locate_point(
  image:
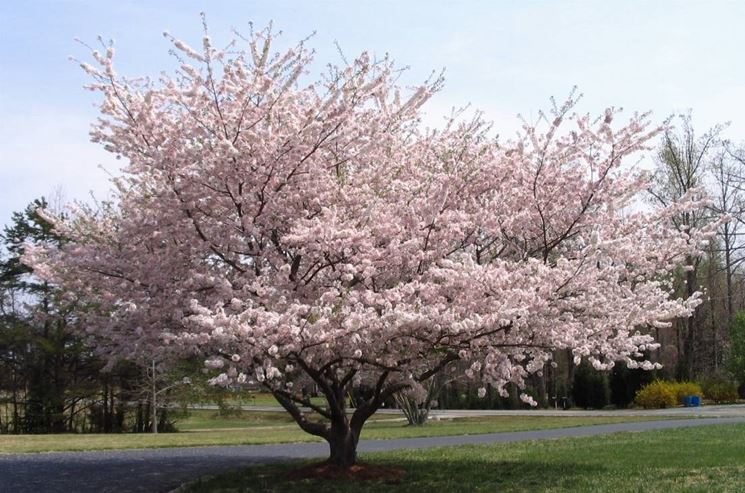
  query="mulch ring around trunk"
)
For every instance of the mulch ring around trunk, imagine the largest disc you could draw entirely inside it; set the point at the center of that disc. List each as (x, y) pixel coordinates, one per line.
(357, 472)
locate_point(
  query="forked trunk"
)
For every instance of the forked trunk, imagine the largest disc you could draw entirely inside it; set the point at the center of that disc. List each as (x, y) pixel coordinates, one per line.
(343, 446)
(341, 431)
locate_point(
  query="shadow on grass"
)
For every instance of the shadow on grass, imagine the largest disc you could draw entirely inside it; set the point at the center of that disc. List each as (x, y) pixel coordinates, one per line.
(458, 475)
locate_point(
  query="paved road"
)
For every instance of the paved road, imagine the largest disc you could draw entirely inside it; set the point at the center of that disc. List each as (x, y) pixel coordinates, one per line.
(713, 411)
(160, 470)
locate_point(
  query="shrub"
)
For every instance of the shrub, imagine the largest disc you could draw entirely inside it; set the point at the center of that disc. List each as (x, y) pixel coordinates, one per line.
(683, 389)
(663, 393)
(719, 389)
(736, 354)
(625, 382)
(589, 387)
(658, 394)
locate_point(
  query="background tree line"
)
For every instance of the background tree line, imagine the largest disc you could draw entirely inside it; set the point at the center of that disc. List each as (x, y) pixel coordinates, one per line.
(708, 347)
(51, 380)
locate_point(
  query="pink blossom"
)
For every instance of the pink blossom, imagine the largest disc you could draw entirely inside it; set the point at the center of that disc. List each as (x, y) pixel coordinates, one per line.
(318, 228)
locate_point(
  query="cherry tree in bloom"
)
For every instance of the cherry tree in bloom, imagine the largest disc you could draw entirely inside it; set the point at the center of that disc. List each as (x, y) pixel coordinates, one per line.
(296, 233)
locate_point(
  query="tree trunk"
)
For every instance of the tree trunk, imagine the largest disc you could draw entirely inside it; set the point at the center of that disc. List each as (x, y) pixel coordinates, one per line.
(155, 402)
(71, 418)
(16, 416)
(713, 295)
(341, 432)
(691, 324)
(343, 446)
(688, 348)
(728, 267)
(141, 421)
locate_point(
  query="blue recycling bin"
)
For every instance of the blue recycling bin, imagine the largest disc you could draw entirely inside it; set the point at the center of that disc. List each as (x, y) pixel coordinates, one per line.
(692, 401)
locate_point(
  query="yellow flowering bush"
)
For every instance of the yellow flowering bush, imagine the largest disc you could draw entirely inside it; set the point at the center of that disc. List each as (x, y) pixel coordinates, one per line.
(664, 393)
(658, 394)
(683, 389)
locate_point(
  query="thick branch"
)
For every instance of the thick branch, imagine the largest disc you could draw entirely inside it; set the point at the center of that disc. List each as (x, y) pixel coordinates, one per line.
(317, 429)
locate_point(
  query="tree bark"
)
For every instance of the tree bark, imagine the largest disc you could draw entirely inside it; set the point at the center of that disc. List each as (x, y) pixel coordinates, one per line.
(341, 431)
(728, 268)
(343, 441)
(691, 324)
(155, 403)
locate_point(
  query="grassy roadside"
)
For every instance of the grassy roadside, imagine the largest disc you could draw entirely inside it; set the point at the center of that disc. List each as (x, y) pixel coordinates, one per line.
(206, 428)
(264, 399)
(705, 459)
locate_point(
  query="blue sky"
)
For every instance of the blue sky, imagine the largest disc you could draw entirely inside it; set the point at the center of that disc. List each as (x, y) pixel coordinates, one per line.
(503, 57)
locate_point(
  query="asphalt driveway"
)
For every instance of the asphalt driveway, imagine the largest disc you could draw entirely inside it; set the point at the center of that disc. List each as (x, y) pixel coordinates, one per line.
(161, 470)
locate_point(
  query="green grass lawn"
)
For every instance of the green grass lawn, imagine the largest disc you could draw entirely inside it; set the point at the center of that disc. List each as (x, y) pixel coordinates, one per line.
(264, 399)
(204, 427)
(207, 419)
(705, 459)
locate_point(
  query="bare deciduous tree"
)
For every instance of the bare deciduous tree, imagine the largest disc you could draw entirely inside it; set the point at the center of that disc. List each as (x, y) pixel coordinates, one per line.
(682, 161)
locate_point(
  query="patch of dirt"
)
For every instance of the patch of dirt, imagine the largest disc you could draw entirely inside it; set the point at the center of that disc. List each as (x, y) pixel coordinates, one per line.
(358, 472)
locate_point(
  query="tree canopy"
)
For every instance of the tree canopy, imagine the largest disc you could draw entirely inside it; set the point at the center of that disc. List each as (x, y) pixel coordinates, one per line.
(314, 233)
